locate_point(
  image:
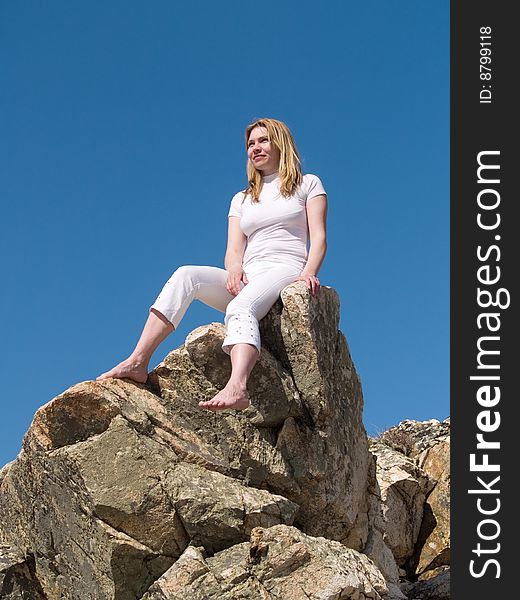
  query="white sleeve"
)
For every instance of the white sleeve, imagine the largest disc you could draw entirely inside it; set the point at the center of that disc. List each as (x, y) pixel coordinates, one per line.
(314, 186)
(235, 208)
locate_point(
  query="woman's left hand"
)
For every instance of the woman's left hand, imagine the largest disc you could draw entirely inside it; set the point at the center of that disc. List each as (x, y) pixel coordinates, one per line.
(311, 281)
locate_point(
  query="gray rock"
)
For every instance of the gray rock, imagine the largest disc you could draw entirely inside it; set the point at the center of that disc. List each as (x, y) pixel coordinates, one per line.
(436, 587)
(17, 578)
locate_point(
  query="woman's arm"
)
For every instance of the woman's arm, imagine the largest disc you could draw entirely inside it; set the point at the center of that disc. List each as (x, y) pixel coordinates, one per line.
(234, 254)
(317, 221)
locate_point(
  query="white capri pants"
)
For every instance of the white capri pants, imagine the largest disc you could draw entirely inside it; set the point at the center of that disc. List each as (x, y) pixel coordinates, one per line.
(243, 311)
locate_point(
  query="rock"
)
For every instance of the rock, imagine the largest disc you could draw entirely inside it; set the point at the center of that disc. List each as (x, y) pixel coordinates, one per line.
(414, 437)
(292, 443)
(433, 588)
(275, 396)
(434, 538)
(125, 491)
(377, 550)
(427, 444)
(403, 489)
(279, 562)
(46, 508)
(4, 470)
(116, 480)
(17, 576)
(118, 496)
(376, 547)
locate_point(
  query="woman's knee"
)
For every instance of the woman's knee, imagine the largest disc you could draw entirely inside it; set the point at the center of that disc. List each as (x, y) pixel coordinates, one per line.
(239, 306)
(183, 271)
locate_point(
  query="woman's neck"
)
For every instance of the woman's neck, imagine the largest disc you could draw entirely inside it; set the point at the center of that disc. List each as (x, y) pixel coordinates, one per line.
(270, 176)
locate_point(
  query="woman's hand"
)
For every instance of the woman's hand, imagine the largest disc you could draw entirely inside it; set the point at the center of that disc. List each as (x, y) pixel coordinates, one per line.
(235, 276)
(311, 281)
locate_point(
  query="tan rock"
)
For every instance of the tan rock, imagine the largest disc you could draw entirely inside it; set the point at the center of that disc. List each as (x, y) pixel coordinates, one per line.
(117, 480)
(403, 489)
(413, 437)
(17, 576)
(427, 444)
(46, 508)
(376, 548)
(433, 588)
(434, 538)
(279, 562)
(4, 470)
(293, 442)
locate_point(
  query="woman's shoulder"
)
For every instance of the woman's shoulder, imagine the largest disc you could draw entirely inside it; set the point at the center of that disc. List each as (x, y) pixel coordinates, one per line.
(239, 195)
(310, 177)
(312, 185)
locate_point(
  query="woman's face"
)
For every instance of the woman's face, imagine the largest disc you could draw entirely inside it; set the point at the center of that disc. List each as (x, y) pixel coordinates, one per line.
(264, 155)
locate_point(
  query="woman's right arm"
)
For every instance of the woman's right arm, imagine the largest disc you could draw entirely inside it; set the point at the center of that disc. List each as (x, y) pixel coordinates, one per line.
(236, 246)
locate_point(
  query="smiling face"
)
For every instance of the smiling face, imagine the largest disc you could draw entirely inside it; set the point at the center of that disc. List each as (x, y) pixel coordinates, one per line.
(264, 155)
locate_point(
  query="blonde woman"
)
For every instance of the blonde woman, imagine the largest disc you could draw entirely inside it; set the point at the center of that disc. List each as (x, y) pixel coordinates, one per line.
(270, 226)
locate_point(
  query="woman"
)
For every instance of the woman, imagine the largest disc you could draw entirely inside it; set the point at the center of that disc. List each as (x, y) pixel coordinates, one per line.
(269, 227)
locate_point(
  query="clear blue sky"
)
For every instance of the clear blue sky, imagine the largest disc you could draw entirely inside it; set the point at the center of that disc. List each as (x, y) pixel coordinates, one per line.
(121, 145)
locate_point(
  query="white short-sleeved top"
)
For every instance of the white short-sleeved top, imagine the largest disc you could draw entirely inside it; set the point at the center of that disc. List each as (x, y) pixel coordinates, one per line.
(276, 226)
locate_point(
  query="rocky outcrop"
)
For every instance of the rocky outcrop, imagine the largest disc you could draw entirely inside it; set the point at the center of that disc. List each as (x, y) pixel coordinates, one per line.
(430, 587)
(17, 576)
(125, 491)
(280, 562)
(435, 531)
(403, 489)
(413, 479)
(291, 442)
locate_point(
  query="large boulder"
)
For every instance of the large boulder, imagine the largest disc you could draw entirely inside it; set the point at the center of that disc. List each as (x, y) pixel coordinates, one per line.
(280, 562)
(436, 586)
(116, 481)
(419, 451)
(403, 488)
(17, 576)
(303, 438)
(434, 538)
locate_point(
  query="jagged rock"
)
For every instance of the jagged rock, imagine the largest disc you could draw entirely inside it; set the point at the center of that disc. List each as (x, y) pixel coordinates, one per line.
(435, 587)
(380, 553)
(427, 443)
(118, 495)
(115, 479)
(4, 470)
(17, 576)
(305, 439)
(125, 491)
(279, 562)
(416, 436)
(375, 547)
(275, 396)
(403, 489)
(434, 537)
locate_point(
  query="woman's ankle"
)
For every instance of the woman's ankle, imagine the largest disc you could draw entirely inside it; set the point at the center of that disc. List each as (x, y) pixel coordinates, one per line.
(139, 359)
(238, 382)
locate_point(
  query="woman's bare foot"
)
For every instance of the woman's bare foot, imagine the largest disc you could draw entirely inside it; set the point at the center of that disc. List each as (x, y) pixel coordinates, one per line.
(232, 396)
(130, 368)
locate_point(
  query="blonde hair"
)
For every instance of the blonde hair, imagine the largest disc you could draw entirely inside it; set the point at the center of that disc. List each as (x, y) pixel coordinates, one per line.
(289, 169)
